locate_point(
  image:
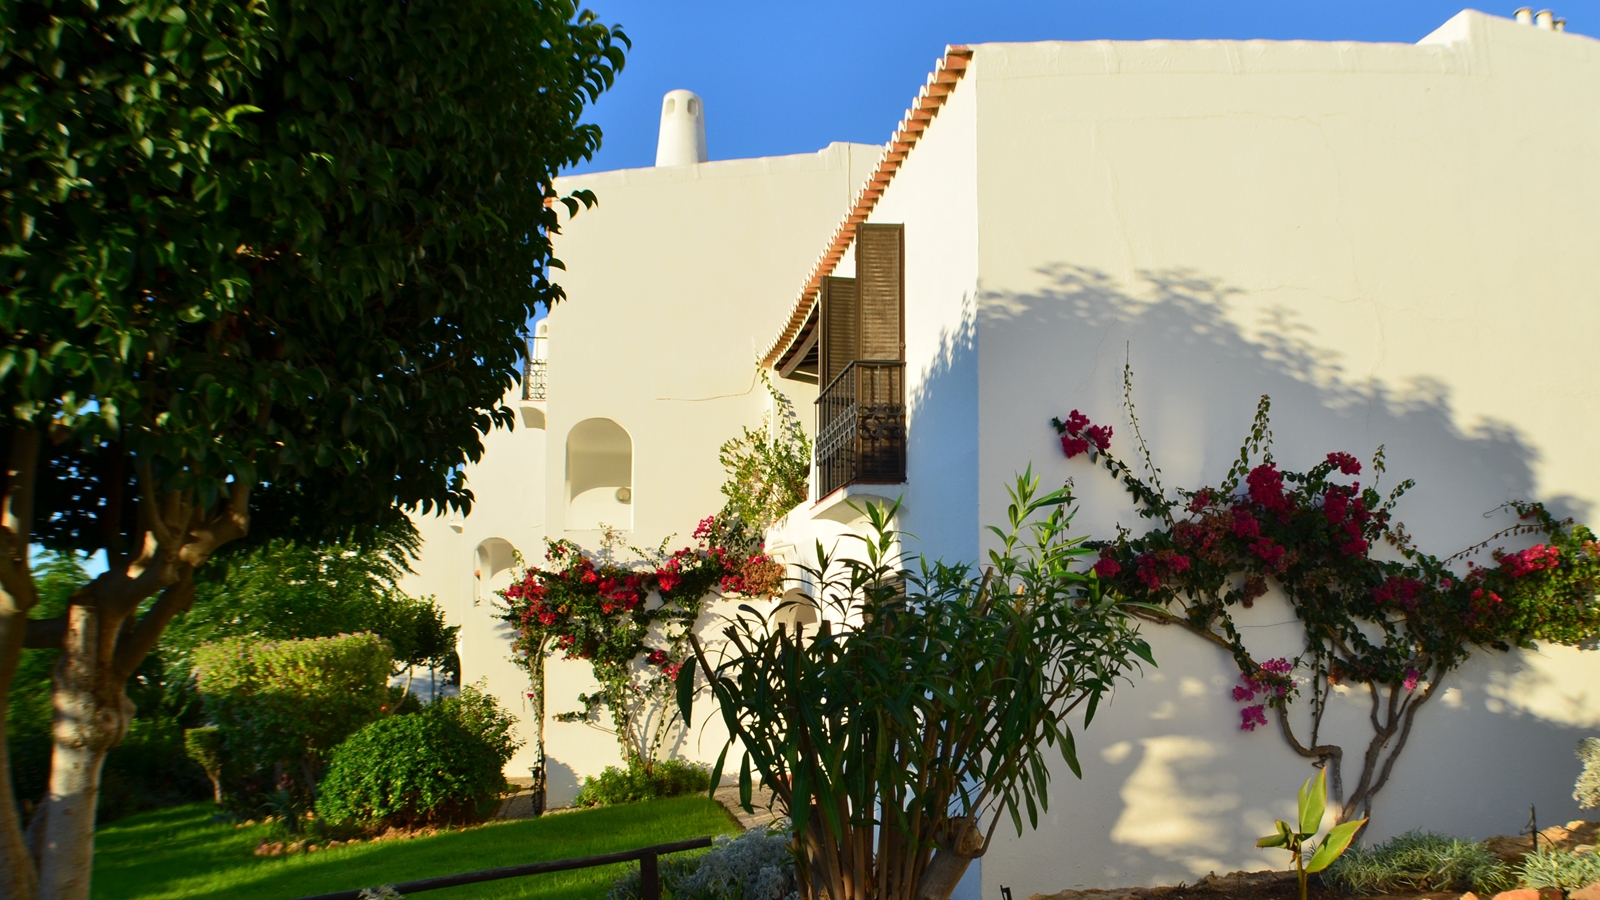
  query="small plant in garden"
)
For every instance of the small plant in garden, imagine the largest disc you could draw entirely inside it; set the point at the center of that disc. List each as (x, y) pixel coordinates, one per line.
(630, 621)
(667, 778)
(756, 865)
(1566, 870)
(1296, 838)
(1418, 861)
(1394, 627)
(918, 715)
(1587, 790)
(205, 746)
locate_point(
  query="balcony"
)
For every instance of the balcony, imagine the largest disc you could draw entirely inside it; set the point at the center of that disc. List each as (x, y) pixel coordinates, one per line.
(861, 426)
(533, 378)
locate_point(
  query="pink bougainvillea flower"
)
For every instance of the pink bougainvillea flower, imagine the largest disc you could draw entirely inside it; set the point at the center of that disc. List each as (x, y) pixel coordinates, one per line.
(1107, 567)
(1412, 677)
(1244, 692)
(1099, 436)
(1252, 717)
(1074, 446)
(1345, 463)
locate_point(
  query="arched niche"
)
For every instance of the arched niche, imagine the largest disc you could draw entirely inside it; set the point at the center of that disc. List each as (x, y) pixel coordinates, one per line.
(492, 564)
(599, 476)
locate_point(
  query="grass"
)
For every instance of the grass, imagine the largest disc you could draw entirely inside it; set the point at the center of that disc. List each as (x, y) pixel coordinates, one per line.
(180, 854)
(1420, 861)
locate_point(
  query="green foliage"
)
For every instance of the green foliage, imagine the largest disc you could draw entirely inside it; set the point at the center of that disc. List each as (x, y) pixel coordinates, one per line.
(482, 716)
(412, 770)
(282, 590)
(1419, 861)
(1568, 870)
(291, 702)
(206, 746)
(769, 468)
(1311, 803)
(667, 778)
(925, 702)
(1587, 790)
(1394, 624)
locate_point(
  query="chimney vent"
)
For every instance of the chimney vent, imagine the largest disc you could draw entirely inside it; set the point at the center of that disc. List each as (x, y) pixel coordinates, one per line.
(682, 140)
(1524, 15)
(1545, 19)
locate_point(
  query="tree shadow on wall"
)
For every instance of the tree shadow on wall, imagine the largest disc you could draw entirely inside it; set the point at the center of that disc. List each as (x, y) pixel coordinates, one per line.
(1201, 356)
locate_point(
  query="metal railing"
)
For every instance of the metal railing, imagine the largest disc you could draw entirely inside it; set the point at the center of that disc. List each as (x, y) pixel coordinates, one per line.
(533, 378)
(861, 426)
(649, 871)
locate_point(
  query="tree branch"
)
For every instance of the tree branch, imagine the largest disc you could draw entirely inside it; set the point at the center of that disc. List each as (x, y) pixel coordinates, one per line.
(133, 645)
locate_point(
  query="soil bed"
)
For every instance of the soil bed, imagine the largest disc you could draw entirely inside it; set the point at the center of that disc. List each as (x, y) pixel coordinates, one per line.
(1237, 886)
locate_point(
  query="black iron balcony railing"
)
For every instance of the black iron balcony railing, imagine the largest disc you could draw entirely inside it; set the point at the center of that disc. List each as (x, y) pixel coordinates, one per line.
(533, 378)
(861, 426)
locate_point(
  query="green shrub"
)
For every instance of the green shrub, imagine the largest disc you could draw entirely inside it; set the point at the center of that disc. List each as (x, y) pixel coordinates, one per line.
(667, 778)
(1419, 861)
(1587, 790)
(477, 712)
(1568, 870)
(412, 770)
(291, 702)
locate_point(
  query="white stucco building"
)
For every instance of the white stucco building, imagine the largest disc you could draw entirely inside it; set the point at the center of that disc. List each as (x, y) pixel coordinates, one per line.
(1394, 241)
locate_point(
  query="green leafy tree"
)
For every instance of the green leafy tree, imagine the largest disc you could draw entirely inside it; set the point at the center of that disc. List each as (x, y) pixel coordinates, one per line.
(266, 267)
(285, 589)
(921, 712)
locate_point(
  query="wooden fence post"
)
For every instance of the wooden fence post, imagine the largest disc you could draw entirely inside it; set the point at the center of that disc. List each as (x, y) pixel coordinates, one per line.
(649, 877)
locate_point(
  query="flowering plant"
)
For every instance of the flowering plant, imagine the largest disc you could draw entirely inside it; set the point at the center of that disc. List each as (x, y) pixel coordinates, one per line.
(1394, 627)
(629, 621)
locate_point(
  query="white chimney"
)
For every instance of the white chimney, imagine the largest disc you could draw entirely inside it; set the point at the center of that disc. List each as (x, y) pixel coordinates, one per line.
(683, 129)
(1561, 24)
(1524, 15)
(1545, 19)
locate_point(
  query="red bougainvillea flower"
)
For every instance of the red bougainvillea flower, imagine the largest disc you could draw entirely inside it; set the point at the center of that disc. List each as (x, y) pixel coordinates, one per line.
(1402, 592)
(1266, 489)
(656, 657)
(1099, 436)
(1533, 559)
(1074, 446)
(1345, 463)
(1076, 422)
(1107, 567)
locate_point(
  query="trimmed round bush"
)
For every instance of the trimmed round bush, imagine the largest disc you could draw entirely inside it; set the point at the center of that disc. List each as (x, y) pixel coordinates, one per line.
(411, 770)
(667, 778)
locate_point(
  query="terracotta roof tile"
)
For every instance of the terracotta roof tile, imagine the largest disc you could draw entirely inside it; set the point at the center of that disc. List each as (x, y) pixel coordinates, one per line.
(941, 82)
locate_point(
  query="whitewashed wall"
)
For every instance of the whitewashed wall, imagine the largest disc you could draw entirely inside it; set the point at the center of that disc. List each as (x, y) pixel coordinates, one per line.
(674, 283)
(1396, 243)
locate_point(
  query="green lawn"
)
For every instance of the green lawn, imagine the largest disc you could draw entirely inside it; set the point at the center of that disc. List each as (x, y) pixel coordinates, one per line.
(178, 854)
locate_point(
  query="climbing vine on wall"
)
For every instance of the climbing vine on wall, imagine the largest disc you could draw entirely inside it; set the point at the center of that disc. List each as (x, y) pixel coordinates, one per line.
(630, 621)
(1391, 628)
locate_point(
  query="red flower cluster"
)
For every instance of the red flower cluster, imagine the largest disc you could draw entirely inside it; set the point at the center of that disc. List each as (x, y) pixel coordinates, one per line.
(1152, 568)
(1078, 434)
(1345, 509)
(1345, 463)
(1266, 490)
(1106, 566)
(1402, 592)
(656, 657)
(1534, 559)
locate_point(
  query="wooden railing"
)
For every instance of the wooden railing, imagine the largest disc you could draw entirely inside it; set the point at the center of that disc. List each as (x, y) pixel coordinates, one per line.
(861, 426)
(649, 871)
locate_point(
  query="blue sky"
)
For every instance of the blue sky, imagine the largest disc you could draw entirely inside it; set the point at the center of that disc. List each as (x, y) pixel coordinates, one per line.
(790, 77)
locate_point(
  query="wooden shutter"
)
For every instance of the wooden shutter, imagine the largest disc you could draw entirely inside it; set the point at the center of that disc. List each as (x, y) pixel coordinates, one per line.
(841, 328)
(880, 278)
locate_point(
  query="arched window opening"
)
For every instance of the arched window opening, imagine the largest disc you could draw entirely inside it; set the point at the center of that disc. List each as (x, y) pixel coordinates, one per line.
(599, 476)
(492, 567)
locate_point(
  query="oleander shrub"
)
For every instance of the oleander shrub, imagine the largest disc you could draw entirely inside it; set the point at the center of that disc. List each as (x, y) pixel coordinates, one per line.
(667, 778)
(1420, 861)
(1569, 870)
(412, 770)
(756, 865)
(289, 703)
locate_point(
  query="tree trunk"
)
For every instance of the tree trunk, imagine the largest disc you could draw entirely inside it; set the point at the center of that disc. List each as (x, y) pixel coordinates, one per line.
(18, 878)
(959, 845)
(91, 716)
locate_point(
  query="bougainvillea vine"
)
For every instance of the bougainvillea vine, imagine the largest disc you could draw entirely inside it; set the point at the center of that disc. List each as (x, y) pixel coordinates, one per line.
(1392, 628)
